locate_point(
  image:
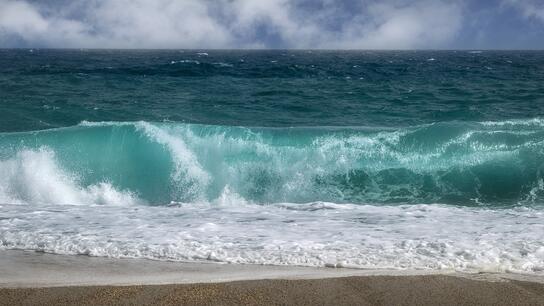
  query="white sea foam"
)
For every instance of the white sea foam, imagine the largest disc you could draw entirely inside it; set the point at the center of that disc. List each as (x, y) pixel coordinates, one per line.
(537, 122)
(185, 62)
(221, 64)
(313, 234)
(34, 176)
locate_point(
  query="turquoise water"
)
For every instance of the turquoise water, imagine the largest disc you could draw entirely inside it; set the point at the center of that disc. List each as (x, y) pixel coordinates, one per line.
(460, 163)
(375, 160)
(456, 127)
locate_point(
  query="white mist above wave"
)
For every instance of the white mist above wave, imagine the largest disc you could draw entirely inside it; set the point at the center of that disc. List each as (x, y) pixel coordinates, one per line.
(314, 234)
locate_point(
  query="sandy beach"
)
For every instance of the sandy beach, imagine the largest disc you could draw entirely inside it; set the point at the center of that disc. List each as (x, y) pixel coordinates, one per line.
(28, 278)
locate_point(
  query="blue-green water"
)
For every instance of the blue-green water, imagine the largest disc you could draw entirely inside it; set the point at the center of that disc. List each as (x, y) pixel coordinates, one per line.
(489, 163)
(453, 127)
(395, 160)
(47, 88)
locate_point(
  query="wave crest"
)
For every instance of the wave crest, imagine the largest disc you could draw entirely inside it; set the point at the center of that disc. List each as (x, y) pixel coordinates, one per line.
(455, 162)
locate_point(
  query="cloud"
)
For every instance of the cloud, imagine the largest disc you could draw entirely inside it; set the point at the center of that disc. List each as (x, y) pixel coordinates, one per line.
(113, 24)
(420, 25)
(230, 24)
(22, 20)
(533, 9)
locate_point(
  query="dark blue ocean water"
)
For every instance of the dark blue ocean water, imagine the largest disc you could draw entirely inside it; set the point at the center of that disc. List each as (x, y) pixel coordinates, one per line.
(454, 127)
(42, 89)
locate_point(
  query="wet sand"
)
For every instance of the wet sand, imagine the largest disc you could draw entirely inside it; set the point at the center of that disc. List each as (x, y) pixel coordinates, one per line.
(28, 278)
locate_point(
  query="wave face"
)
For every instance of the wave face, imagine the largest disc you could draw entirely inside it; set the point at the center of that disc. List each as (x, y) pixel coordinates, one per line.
(479, 163)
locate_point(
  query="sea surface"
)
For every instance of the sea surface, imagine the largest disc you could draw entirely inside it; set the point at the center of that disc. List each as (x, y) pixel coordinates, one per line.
(358, 159)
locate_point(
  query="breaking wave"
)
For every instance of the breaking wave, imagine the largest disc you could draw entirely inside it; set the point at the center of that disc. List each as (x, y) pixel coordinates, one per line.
(464, 163)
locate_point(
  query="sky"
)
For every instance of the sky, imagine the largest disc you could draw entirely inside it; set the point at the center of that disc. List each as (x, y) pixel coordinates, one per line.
(285, 24)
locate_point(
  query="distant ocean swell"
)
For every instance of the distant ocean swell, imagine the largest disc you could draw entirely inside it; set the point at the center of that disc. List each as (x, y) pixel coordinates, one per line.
(497, 164)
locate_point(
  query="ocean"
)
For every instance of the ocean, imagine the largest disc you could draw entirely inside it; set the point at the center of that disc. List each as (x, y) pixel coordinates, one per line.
(357, 159)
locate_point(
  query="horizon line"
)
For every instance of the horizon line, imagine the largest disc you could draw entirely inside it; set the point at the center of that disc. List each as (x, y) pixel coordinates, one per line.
(256, 49)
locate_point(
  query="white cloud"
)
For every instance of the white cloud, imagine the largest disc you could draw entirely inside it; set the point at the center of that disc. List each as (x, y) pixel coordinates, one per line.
(157, 24)
(25, 21)
(115, 24)
(230, 24)
(421, 25)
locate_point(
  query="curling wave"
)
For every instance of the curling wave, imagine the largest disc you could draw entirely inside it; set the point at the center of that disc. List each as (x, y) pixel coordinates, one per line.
(465, 163)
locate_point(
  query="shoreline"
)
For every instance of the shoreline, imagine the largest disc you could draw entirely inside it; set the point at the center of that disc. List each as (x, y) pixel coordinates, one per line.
(28, 269)
(40, 278)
